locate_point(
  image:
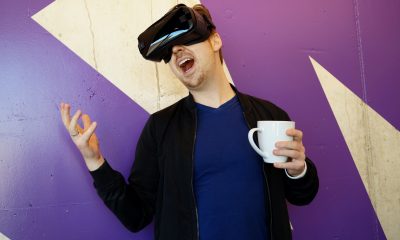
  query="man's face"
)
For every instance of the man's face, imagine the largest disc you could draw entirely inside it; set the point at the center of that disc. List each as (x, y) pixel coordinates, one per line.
(193, 64)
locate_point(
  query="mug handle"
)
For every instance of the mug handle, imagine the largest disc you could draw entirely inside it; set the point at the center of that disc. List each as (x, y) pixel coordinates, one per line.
(252, 143)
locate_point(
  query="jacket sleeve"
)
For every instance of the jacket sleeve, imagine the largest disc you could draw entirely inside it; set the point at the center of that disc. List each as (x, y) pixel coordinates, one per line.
(303, 190)
(133, 202)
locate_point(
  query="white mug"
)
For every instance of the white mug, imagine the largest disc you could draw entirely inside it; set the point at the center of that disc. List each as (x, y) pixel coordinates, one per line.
(270, 132)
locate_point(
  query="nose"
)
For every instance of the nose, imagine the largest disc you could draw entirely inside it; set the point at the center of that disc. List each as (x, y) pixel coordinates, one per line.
(176, 49)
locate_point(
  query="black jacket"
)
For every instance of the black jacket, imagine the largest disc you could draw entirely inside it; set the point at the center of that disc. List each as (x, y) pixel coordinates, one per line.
(160, 183)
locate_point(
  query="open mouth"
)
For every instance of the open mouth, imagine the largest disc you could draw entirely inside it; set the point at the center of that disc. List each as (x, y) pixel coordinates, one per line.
(186, 64)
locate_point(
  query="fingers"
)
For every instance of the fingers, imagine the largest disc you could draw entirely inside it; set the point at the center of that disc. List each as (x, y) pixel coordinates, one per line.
(72, 128)
(292, 149)
(295, 133)
(289, 145)
(72, 125)
(89, 131)
(296, 144)
(294, 154)
(66, 118)
(65, 114)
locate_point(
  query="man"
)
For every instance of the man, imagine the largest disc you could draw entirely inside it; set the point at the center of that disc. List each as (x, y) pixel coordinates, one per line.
(194, 170)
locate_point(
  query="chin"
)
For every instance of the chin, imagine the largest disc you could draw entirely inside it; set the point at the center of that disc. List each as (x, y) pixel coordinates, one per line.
(193, 83)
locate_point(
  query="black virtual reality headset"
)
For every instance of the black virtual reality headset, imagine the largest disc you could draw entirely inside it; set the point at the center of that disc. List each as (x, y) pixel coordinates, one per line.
(180, 26)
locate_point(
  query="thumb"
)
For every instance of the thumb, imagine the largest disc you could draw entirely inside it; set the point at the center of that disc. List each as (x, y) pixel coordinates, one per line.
(86, 121)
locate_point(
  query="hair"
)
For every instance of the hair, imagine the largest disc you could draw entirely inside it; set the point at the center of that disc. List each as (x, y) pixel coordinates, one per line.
(200, 8)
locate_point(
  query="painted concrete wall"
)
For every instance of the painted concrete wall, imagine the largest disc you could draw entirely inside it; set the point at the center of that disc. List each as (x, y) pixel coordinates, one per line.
(84, 52)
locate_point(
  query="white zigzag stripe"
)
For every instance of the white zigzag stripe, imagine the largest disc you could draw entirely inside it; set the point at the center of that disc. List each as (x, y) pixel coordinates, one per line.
(374, 145)
(3, 237)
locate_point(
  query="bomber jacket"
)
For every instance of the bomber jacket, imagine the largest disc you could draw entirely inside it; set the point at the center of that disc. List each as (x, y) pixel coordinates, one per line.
(161, 179)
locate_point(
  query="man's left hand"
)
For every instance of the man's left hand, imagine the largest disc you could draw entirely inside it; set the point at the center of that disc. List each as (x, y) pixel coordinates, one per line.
(295, 152)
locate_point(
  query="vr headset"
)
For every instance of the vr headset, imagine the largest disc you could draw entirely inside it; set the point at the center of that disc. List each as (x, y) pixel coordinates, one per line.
(180, 26)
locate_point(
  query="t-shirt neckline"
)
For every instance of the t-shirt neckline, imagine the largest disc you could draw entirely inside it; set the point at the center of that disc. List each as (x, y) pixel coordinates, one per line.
(224, 106)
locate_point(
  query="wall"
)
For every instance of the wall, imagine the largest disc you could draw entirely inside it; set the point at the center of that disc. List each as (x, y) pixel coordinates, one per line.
(84, 52)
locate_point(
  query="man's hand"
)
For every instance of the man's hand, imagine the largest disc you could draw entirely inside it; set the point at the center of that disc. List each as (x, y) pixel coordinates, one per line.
(85, 139)
(295, 152)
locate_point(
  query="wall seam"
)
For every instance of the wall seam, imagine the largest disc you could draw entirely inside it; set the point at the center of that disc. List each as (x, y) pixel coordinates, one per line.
(360, 50)
(156, 66)
(92, 34)
(366, 121)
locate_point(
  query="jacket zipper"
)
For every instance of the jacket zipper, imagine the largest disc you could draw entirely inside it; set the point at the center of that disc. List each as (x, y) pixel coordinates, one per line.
(267, 185)
(194, 197)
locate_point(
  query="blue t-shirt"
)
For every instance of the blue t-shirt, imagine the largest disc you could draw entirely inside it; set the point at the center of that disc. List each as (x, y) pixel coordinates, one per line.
(228, 178)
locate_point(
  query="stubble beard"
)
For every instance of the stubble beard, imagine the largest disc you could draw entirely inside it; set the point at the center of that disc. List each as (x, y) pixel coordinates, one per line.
(195, 82)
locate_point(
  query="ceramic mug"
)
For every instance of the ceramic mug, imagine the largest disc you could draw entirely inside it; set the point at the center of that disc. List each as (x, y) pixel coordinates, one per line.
(270, 132)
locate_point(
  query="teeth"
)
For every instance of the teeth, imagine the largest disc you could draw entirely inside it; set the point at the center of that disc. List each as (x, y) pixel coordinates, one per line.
(184, 61)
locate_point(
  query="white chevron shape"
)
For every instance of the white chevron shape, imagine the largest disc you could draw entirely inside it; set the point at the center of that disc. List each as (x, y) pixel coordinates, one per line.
(374, 145)
(3, 237)
(104, 34)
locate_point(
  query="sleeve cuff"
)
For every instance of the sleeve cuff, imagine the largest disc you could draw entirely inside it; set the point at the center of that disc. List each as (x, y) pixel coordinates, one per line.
(104, 175)
(300, 175)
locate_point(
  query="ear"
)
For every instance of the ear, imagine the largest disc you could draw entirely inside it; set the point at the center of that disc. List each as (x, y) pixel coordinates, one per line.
(216, 41)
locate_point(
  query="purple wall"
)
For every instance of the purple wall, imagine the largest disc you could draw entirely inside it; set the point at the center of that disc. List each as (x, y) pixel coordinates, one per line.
(45, 189)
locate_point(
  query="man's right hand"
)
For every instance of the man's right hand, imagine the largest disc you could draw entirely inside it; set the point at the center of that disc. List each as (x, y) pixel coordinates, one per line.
(85, 139)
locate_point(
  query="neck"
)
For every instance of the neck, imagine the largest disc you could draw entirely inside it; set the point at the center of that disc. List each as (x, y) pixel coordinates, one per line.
(215, 91)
